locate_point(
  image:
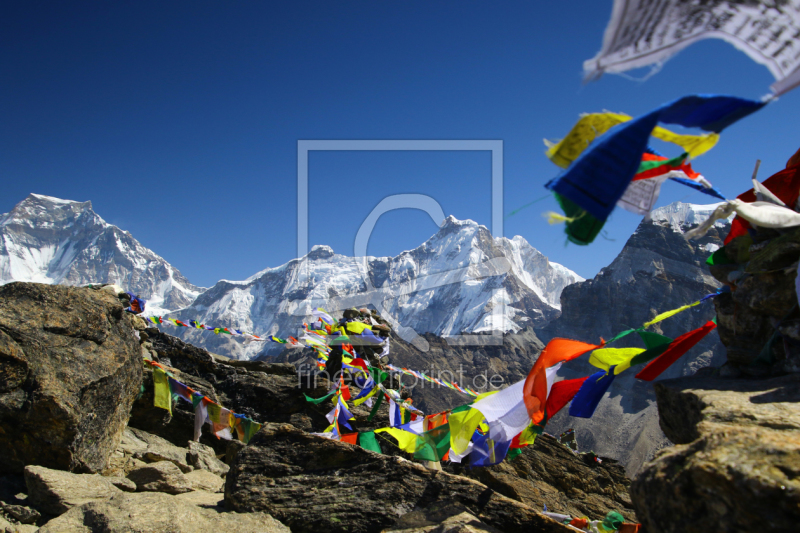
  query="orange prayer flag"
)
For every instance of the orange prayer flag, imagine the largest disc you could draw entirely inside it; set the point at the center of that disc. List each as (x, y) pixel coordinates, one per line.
(557, 350)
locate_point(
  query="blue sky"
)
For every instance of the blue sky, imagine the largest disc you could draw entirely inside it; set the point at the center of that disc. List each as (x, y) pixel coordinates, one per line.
(180, 121)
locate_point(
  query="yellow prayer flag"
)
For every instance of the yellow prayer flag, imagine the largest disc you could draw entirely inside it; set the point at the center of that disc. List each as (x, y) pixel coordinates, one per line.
(668, 314)
(605, 358)
(163, 396)
(462, 427)
(357, 327)
(406, 441)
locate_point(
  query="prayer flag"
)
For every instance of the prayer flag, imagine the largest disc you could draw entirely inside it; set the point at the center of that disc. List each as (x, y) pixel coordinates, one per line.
(536, 386)
(676, 349)
(162, 394)
(591, 392)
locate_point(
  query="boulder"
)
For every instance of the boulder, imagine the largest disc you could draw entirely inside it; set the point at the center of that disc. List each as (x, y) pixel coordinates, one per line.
(315, 484)
(159, 449)
(70, 369)
(736, 465)
(122, 483)
(447, 517)
(202, 498)
(205, 481)
(53, 492)
(162, 476)
(158, 512)
(202, 457)
(21, 513)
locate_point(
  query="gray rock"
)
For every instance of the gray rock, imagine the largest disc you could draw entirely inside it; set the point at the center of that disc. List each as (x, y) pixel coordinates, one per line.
(121, 466)
(70, 371)
(202, 457)
(159, 449)
(122, 483)
(205, 481)
(737, 467)
(447, 517)
(202, 498)
(21, 513)
(158, 512)
(53, 492)
(162, 476)
(315, 484)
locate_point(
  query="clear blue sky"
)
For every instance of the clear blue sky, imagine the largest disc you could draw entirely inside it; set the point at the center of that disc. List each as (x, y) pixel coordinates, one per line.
(180, 120)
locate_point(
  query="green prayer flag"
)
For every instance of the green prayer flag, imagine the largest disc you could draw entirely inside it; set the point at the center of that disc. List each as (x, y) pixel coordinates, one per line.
(620, 335)
(644, 166)
(432, 445)
(583, 228)
(651, 340)
(718, 258)
(375, 407)
(319, 400)
(513, 453)
(368, 441)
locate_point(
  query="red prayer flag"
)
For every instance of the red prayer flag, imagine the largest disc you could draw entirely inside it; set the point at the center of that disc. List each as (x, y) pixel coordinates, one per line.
(561, 394)
(785, 185)
(349, 438)
(676, 349)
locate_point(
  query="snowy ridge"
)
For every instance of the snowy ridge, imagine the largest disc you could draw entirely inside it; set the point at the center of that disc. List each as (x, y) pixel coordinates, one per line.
(50, 240)
(449, 285)
(682, 216)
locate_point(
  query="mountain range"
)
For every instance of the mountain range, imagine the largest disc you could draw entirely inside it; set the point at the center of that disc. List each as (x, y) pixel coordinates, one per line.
(461, 280)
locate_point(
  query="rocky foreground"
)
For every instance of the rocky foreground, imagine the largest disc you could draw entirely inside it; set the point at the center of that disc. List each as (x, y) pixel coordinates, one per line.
(82, 448)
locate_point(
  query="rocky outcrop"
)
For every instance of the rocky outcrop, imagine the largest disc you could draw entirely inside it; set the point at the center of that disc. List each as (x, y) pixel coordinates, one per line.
(157, 512)
(736, 463)
(162, 476)
(70, 369)
(312, 484)
(54, 492)
(759, 321)
(447, 517)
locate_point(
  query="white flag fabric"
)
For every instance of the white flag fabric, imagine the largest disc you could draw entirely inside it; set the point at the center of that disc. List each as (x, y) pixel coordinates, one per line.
(505, 412)
(648, 32)
(762, 214)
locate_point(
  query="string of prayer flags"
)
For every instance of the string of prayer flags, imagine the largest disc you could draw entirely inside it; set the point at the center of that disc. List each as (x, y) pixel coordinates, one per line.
(591, 187)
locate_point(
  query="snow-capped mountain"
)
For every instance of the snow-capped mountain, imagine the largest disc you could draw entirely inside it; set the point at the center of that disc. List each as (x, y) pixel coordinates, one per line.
(461, 280)
(49, 240)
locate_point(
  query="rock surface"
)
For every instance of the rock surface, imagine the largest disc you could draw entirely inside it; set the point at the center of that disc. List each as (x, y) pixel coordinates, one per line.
(70, 368)
(762, 269)
(315, 484)
(54, 492)
(157, 512)
(202, 457)
(162, 476)
(736, 466)
(448, 517)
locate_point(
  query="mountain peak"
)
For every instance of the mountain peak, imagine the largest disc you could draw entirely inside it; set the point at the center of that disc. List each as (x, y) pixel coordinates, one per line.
(681, 216)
